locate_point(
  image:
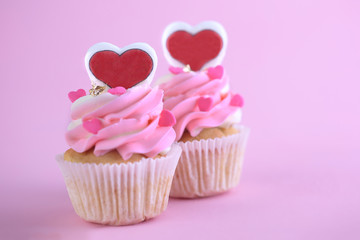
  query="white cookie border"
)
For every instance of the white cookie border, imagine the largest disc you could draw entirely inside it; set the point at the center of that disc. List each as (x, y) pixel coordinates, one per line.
(210, 25)
(104, 46)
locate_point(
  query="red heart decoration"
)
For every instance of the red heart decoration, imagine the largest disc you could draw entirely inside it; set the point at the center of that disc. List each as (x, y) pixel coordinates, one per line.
(125, 70)
(205, 103)
(195, 50)
(237, 101)
(75, 95)
(175, 70)
(93, 125)
(117, 91)
(216, 72)
(167, 119)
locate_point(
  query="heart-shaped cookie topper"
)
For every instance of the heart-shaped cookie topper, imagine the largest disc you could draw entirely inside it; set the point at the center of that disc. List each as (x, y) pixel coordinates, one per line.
(201, 46)
(110, 66)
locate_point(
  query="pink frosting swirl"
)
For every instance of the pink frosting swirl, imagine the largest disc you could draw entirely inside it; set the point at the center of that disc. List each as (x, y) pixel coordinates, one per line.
(199, 100)
(129, 123)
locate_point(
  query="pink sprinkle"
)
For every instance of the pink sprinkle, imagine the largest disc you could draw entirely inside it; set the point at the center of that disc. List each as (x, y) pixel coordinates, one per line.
(93, 125)
(167, 119)
(237, 101)
(75, 95)
(215, 72)
(117, 91)
(205, 103)
(175, 70)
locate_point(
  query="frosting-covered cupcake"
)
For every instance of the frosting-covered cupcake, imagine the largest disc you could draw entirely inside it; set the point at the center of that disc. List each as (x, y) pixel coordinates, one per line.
(122, 159)
(201, 100)
(125, 121)
(207, 113)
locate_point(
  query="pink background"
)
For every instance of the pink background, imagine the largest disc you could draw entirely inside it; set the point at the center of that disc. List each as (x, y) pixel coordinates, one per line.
(297, 64)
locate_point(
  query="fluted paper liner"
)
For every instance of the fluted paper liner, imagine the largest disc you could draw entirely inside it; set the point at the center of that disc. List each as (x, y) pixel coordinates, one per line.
(120, 194)
(211, 166)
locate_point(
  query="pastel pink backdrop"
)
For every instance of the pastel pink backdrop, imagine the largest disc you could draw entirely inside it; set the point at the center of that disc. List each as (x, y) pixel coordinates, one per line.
(297, 64)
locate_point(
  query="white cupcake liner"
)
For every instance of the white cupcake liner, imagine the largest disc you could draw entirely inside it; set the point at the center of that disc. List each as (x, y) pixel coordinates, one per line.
(120, 194)
(208, 167)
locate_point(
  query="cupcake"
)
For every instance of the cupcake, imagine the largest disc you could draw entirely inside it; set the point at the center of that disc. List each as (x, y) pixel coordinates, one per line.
(207, 113)
(121, 161)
